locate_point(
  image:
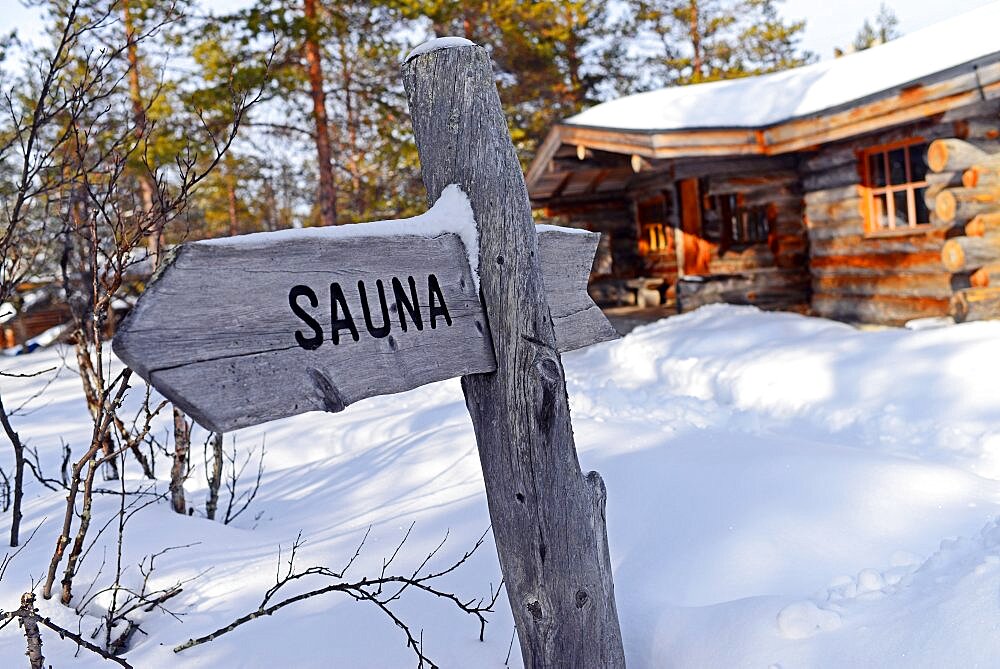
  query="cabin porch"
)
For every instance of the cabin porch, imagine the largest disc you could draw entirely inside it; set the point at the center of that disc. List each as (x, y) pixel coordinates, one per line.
(680, 234)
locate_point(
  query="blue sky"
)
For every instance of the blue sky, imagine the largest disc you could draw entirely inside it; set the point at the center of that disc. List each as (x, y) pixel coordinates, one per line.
(829, 23)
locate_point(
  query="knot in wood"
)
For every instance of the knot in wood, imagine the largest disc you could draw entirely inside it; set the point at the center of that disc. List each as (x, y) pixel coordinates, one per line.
(548, 369)
(581, 598)
(329, 394)
(535, 609)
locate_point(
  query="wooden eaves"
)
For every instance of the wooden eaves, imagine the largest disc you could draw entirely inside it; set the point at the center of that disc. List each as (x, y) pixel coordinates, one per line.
(934, 94)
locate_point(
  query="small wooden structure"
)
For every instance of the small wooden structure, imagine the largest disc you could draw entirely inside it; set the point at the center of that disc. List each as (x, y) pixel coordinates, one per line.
(830, 189)
(39, 308)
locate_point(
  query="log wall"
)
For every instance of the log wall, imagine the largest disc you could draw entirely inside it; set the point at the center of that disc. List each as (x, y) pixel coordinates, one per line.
(25, 326)
(771, 274)
(890, 277)
(972, 208)
(660, 264)
(617, 254)
(617, 259)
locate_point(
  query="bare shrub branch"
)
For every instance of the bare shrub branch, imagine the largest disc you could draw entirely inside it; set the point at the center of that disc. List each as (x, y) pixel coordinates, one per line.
(367, 590)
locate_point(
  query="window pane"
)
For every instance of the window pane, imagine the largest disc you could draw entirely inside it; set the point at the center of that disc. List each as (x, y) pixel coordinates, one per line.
(923, 215)
(763, 225)
(902, 212)
(726, 216)
(755, 222)
(711, 227)
(918, 163)
(880, 220)
(876, 169)
(897, 167)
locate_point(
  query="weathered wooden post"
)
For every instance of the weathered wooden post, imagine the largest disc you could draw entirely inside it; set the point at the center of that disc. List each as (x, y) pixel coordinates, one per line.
(548, 518)
(280, 323)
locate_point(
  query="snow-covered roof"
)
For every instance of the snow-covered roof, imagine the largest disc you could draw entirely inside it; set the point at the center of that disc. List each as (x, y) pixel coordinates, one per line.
(761, 101)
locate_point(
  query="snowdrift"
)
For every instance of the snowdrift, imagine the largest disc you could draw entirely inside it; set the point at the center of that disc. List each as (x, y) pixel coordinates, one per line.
(782, 491)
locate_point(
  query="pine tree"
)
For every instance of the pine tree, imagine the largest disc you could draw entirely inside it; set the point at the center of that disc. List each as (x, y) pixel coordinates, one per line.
(693, 41)
(335, 84)
(884, 29)
(553, 58)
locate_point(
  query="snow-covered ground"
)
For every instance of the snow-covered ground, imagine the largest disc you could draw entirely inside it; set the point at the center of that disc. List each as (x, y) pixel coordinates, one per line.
(782, 492)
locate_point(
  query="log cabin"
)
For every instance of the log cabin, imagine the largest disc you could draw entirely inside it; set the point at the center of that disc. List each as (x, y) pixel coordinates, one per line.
(40, 308)
(864, 188)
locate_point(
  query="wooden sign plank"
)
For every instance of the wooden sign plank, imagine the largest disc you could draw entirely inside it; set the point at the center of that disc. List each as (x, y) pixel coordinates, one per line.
(239, 335)
(249, 329)
(566, 258)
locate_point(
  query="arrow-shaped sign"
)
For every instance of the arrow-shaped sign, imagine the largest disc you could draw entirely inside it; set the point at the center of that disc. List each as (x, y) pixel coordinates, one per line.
(243, 330)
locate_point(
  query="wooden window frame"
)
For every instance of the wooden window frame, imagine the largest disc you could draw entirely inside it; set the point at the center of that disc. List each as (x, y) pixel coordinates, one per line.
(886, 192)
(655, 238)
(732, 208)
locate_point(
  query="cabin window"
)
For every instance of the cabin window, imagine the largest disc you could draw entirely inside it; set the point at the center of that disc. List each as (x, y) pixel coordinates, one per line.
(729, 221)
(894, 178)
(655, 236)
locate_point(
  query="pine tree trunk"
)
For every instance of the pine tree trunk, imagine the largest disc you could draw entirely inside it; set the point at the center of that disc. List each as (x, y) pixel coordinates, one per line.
(147, 190)
(146, 186)
(696, 58)
(324, 154)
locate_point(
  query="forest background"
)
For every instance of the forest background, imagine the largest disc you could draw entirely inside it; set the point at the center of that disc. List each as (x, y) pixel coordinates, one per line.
(329, 142)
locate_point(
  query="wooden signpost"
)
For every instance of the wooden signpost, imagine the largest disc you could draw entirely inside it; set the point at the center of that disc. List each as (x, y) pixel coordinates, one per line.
(243, 330)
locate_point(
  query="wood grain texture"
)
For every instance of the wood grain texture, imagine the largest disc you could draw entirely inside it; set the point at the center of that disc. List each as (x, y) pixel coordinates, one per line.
(216, 335)
(566, 259)
(233, 359)
(961, 254)
(975, 304)
(548, 517)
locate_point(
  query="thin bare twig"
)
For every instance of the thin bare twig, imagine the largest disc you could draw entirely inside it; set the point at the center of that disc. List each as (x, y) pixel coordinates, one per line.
(365, 590)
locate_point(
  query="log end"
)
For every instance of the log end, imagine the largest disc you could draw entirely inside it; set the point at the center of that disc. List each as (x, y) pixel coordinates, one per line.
(980, 278)
(975, 304)
(970, 177)
(976, 227)
(945, 206)
(953, 256)
(937, 155)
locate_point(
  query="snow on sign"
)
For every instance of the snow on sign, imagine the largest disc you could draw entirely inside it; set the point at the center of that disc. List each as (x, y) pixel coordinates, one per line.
(243, 330)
